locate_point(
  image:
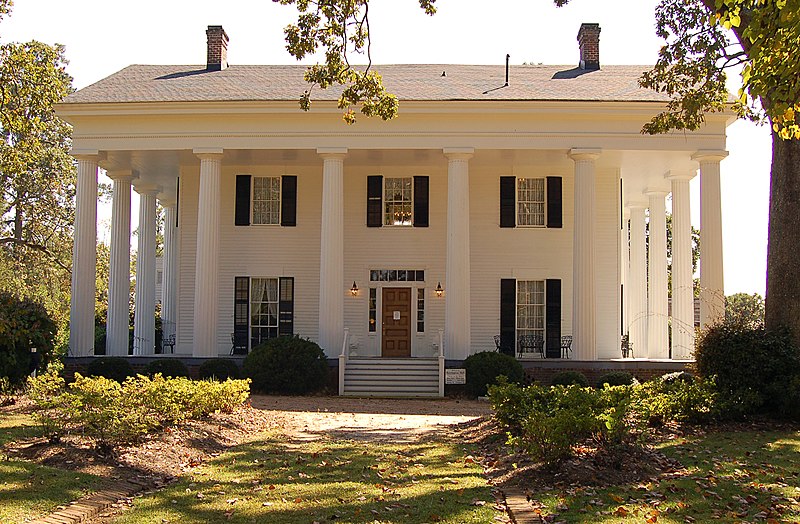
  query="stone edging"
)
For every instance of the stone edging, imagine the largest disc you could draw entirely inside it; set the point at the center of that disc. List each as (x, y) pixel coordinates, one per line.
(91, 505)
(519, 509)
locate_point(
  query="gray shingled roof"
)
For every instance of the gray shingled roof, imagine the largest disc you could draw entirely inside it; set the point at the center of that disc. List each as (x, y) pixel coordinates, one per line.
(182, 83)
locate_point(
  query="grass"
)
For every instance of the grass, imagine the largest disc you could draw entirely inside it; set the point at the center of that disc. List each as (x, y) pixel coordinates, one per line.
(28, 489)
(742, 476)
(342, 481)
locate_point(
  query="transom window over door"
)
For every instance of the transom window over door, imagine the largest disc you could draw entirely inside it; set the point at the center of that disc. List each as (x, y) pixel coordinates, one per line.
(530, 308)
(530, 202)
(398, 201)
(267, 200)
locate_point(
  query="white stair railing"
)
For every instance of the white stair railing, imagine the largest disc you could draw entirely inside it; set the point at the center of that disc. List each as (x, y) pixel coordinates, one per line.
(343, 361)
(441, 363)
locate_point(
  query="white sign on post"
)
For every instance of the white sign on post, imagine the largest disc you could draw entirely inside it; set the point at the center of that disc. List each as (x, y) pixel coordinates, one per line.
(455, 376)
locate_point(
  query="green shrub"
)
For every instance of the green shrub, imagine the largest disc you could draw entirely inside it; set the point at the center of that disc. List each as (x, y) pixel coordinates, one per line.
(24, 324)
(484, 368)
(219, 369)
(678, 376)
(115, 413)
(615, 378)
(289, 365)
(670, 398)
(569, 378)
(115, 368)
(512, 403)
(169, 367)
(752, 368)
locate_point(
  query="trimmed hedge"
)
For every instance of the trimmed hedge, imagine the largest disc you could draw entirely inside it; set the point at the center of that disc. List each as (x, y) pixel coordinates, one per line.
(114, 368)
(219, 369)
(290, 365)
(484, 368)
(615, 378)
(168, 367)
(757, 372)
(569, 378)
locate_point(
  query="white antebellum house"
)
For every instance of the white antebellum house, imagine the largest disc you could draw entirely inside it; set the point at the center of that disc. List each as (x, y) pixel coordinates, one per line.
(501, 201)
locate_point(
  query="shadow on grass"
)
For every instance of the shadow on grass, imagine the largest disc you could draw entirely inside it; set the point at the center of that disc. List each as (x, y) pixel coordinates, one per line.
(344, 481)
(728, 476)
(28, 489)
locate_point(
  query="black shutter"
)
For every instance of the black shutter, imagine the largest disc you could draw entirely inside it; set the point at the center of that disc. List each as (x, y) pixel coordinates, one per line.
(374, 200)
(553, 318)
(288, 200)
(508, 315)
(554, 202)
(242, 212)
(286, 307)
(421, 201)
(508, 201)
(241, 315)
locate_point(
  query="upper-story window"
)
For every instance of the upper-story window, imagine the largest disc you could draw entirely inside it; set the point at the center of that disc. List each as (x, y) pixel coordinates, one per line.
(530, 202)
(398, 201)
(266, 200)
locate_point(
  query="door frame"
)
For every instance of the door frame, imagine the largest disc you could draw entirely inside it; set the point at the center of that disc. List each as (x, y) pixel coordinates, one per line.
(378, 333)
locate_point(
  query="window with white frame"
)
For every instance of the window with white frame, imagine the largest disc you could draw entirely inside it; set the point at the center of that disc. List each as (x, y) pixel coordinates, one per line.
(398, 202)
(263, 310)
(266, 200)
(530, 308)
(530, 202)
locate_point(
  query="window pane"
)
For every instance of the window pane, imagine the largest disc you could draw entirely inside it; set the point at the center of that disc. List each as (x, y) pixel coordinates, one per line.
(266, 200)
(398, 201)
(530, 201)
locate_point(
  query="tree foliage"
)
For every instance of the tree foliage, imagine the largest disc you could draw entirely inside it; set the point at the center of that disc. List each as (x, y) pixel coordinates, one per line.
(37, 175)
(745, 311)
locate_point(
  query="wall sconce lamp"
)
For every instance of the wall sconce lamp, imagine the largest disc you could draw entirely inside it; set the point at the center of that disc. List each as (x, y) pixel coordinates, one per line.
(439, 291)
(354, 289)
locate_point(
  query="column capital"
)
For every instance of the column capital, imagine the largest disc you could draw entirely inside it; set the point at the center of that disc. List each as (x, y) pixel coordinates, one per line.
(710, 155)
(636, 204)
(332, 152)
(679, 175)
(125, 175)
(208, 153)
(583, 154)
(146, 188)
(166, 199)
(655, 192)
(458, 153)
(87, 154)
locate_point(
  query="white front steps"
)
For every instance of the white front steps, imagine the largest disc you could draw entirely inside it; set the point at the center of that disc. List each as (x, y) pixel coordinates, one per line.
(381, 377)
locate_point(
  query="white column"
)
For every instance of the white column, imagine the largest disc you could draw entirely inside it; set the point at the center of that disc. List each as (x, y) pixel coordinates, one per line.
(169, 280)
(205, 340)
(584, 305)
(331, 263)
(84, 259)
(119, 280)
(144, 324)
(682, 293)
(657, 316)
(712, 283)
(457, 338)
(637, 283)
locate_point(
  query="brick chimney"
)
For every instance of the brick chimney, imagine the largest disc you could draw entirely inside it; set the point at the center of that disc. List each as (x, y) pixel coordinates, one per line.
(217, 48)
(589, 45)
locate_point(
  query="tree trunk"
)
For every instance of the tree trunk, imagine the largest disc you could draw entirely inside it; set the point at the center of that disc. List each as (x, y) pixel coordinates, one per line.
(783, 280)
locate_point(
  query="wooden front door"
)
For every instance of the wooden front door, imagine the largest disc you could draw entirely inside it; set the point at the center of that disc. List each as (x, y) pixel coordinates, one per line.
(396, 322)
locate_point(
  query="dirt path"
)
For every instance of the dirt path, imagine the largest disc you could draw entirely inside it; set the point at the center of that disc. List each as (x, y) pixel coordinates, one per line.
(385, 420)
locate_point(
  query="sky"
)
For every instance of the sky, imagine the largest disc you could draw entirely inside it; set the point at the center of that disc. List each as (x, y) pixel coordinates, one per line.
(102, 37)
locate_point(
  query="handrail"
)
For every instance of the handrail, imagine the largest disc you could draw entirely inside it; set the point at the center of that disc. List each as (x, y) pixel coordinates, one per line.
(441, 363)
(343, 360)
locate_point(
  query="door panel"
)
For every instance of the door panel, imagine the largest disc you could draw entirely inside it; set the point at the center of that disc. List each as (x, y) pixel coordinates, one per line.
(396, 322)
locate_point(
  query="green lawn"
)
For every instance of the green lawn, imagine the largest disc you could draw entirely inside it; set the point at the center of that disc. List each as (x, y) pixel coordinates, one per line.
(748, 476)
(342, 481)
(28, 489)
